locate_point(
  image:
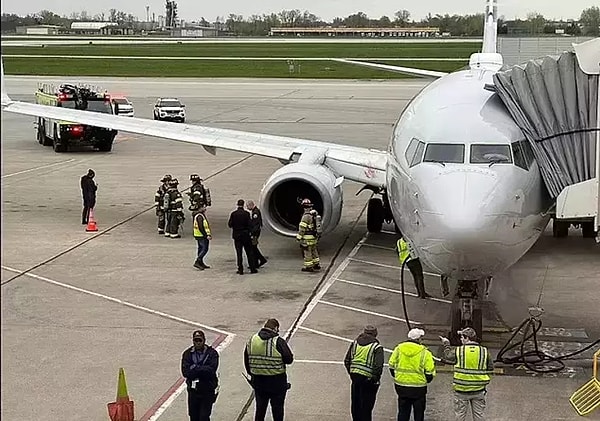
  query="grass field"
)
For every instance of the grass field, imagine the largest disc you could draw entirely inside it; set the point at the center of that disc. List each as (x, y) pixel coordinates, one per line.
(215, 68)
(339, 50)
(324, 69)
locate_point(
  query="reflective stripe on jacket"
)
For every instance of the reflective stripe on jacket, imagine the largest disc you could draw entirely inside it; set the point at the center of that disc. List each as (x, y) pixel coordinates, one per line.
(307, 230)
(471, 369)
(410, 362)
(403, 250)
(201, 230)
(363, 359)
(263, 357)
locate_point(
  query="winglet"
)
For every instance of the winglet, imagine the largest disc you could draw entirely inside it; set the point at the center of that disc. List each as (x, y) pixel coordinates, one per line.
(5, 98)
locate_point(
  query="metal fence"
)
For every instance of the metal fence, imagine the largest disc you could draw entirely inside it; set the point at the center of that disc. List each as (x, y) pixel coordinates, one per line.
(520, 50)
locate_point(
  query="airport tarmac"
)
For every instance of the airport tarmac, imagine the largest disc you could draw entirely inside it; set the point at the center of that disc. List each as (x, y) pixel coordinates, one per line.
(90, 303)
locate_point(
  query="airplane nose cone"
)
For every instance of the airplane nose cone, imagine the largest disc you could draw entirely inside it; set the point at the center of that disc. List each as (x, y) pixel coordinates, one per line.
(463, 201)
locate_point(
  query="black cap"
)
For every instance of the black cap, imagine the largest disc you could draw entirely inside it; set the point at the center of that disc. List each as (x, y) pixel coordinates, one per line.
(240, 202)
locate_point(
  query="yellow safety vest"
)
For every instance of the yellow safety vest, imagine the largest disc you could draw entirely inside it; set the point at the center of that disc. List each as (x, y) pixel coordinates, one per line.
(403, 250)
(410, 362)
(263, 357)
(197, 230)
(470, 371)
(363, 358)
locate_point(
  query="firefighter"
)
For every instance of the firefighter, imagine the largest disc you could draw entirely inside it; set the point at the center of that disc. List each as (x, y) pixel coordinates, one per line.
(199, 195)
(309, 232)
(173, 204)
(159, 197)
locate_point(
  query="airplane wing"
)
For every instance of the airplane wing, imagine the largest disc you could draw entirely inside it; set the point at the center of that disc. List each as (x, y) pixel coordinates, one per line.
(357, 164)
(397, 69)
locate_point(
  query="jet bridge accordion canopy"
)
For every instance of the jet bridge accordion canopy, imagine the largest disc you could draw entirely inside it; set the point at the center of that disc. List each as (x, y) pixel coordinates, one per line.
(555, 104)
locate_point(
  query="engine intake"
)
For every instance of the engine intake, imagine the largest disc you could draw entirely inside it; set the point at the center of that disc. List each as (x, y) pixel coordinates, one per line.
(284, 191)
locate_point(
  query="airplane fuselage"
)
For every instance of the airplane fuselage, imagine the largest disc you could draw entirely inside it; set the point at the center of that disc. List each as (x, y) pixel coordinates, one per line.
(463, 185)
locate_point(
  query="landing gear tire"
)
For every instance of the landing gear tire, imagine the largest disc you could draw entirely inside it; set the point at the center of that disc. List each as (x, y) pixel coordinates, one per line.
(56, 145)
(587, 230)
(478, 323)
(560, 229)
(375, 215)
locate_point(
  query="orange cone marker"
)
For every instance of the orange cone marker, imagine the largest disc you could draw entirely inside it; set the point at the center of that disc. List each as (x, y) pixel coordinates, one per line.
(122, 409)
(91, 226)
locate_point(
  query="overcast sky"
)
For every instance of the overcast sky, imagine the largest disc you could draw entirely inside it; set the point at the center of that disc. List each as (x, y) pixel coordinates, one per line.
(326, 9)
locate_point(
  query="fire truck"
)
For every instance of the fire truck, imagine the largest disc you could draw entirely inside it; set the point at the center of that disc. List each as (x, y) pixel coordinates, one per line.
(61, 134)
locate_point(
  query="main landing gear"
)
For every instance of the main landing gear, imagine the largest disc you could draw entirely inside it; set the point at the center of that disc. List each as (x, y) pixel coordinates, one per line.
(466, 309)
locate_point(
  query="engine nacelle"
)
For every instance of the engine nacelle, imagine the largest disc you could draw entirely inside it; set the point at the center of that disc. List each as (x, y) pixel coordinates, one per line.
(282, 194)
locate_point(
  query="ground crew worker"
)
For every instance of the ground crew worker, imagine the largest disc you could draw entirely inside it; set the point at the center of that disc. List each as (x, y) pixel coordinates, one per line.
(412, 367)
(203, 236)
(364, 364)
(309, 231)
(239, 222)
(199, 364)
(199, 195)
(407, 253)
(255, 228)
(159, 197)
(473, 366)
(173, 204)
(265, 357)
(88, 191)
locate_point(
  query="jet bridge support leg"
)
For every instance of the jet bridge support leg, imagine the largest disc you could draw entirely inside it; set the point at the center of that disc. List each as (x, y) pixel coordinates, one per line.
(466, 311)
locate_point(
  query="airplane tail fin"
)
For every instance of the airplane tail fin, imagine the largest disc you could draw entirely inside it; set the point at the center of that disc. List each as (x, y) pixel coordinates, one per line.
(490, 28)
(5, 98)
(489, 58)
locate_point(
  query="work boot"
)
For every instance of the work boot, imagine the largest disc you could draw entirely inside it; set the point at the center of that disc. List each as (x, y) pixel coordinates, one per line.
(307, 269)
(161, 232)
(198, 265)
(317, 267)
(204, 265)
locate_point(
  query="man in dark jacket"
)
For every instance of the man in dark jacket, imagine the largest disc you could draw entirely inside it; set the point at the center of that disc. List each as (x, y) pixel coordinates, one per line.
(255, 227)
(265, 358)
(88, 191)
(199, 364)
(239, 222)
(364, 364)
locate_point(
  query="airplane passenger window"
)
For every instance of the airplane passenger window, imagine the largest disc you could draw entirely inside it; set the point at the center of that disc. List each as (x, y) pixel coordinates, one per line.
(453, 153)
(487, 154)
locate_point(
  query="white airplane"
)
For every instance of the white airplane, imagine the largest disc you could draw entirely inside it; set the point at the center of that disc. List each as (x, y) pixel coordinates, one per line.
(459, 179)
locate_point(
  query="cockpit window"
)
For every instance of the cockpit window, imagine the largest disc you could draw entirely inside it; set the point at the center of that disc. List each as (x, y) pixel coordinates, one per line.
(414, 152)
(490, 154)
(523, 154)
(452, 153)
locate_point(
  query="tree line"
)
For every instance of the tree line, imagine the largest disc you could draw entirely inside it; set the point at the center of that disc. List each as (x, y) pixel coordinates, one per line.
(259, 25)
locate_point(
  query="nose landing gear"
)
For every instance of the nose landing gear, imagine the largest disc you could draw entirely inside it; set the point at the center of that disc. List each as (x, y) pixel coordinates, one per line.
(466, 311)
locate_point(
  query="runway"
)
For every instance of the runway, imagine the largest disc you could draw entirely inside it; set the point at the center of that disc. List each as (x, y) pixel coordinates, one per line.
(77, 306)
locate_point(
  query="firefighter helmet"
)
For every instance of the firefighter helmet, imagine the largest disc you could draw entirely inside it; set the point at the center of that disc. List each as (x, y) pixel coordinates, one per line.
(306, 203)
(173, 182)
(166, 178)
(195, 177)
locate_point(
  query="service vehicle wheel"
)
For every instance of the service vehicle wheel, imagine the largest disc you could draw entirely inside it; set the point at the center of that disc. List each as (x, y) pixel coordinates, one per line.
(588, 230)
(57, 145)
(560, 229)
(375, 215)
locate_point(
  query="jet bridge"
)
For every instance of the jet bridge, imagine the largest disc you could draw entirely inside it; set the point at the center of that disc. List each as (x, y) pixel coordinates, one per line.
(554, 100)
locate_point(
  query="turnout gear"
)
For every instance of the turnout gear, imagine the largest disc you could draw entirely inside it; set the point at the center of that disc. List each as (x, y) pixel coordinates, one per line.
(173, 205)
(199, 195)
(159, 200)
(308, 235)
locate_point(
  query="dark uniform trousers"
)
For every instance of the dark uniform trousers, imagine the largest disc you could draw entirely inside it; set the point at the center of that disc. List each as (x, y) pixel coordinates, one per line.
(259, 259)
(241, 242)
(200, 405)
(363, 394)
(263, 397)
(416, 270)
(409, 399)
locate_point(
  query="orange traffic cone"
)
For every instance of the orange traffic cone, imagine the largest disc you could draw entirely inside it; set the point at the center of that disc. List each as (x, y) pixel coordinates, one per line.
(91, 226)
(122, 409)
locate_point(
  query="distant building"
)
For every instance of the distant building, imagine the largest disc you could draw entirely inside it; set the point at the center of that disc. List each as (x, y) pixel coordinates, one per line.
(356, 32)
(195, 31)
(99, 28)
(39, 30)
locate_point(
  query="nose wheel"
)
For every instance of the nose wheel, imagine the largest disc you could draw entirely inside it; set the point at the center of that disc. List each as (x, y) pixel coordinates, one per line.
(465, 310)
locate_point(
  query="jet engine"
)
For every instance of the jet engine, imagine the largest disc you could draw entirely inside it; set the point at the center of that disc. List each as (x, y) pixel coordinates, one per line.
(282, 194)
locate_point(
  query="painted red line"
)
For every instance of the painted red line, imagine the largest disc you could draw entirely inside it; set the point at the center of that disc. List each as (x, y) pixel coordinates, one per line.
(150, 412)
